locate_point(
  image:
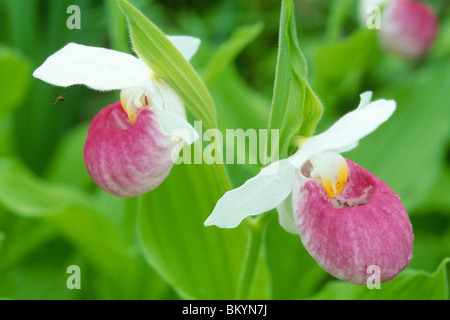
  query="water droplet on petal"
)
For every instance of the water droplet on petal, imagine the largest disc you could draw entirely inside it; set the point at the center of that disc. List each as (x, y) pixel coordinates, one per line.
(386, 209)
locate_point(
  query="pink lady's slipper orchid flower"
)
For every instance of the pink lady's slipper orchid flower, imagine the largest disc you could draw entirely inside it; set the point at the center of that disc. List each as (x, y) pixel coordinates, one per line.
(129, 145)
(408, 28)
(346, 217)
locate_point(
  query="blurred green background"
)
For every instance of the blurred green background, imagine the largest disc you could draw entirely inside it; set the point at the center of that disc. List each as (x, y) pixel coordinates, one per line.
(52, 215)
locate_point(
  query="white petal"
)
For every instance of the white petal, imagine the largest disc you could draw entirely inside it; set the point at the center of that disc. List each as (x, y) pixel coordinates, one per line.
(172, 124)
(286, 215)
(257, 195)
(345, 134)
(98, 68)
(187, 45)
(164, 96)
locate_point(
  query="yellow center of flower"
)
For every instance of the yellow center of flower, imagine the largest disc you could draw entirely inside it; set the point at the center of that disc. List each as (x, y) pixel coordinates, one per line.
(335, 184)
(331, 169)
(131, 115)
(132, 101)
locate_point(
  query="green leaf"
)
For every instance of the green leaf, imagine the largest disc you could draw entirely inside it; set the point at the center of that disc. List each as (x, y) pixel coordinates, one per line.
(166, 61)
(438, 199)
(222, 77)
(226, 54)
(80, 220)
(2, 238)
(117, 29)
(294, 273)
(295, 107)
(22, 236)
(332, 58)
(337, 78)
(64, 208)
(21, 25)
(67, 163)
(408, 285)
(199, 262)
(7, 134)
(14, 80)
(42, 274)
(431, 239)
(261, 286)
(339, 12)
(245, 108)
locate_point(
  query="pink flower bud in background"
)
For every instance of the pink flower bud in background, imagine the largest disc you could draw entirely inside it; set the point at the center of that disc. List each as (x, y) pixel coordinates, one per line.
(366, 224)
(124, 159)
(408, 28)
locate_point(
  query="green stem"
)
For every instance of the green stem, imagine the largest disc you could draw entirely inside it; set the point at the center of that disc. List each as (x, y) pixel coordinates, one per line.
(222, 175)
(256, 226)
(221, 170)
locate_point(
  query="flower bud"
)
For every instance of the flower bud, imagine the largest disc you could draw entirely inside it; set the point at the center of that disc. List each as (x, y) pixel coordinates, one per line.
(365, 225)
(408, 28)
(127, 159)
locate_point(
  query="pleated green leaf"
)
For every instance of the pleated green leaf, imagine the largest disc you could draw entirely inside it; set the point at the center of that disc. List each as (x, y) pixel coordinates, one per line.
(65, 208)
(199, 262)
(75, 215)
(166, 61)
(229, 50)
(295, 107)
(2, 238)
(409, 285)
(14, 81)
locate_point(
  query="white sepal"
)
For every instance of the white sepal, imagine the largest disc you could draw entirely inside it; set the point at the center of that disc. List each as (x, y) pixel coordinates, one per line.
(165, 97)
(98, 68)
(345, 134)
(187, 45)
(257, 195)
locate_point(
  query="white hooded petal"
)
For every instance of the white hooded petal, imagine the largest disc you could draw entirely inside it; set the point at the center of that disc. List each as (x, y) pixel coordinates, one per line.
(345, 134)
(187, 45)
(171, 113)
(98, 68)
(257, 195)
(165, 97)
(172, 124)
